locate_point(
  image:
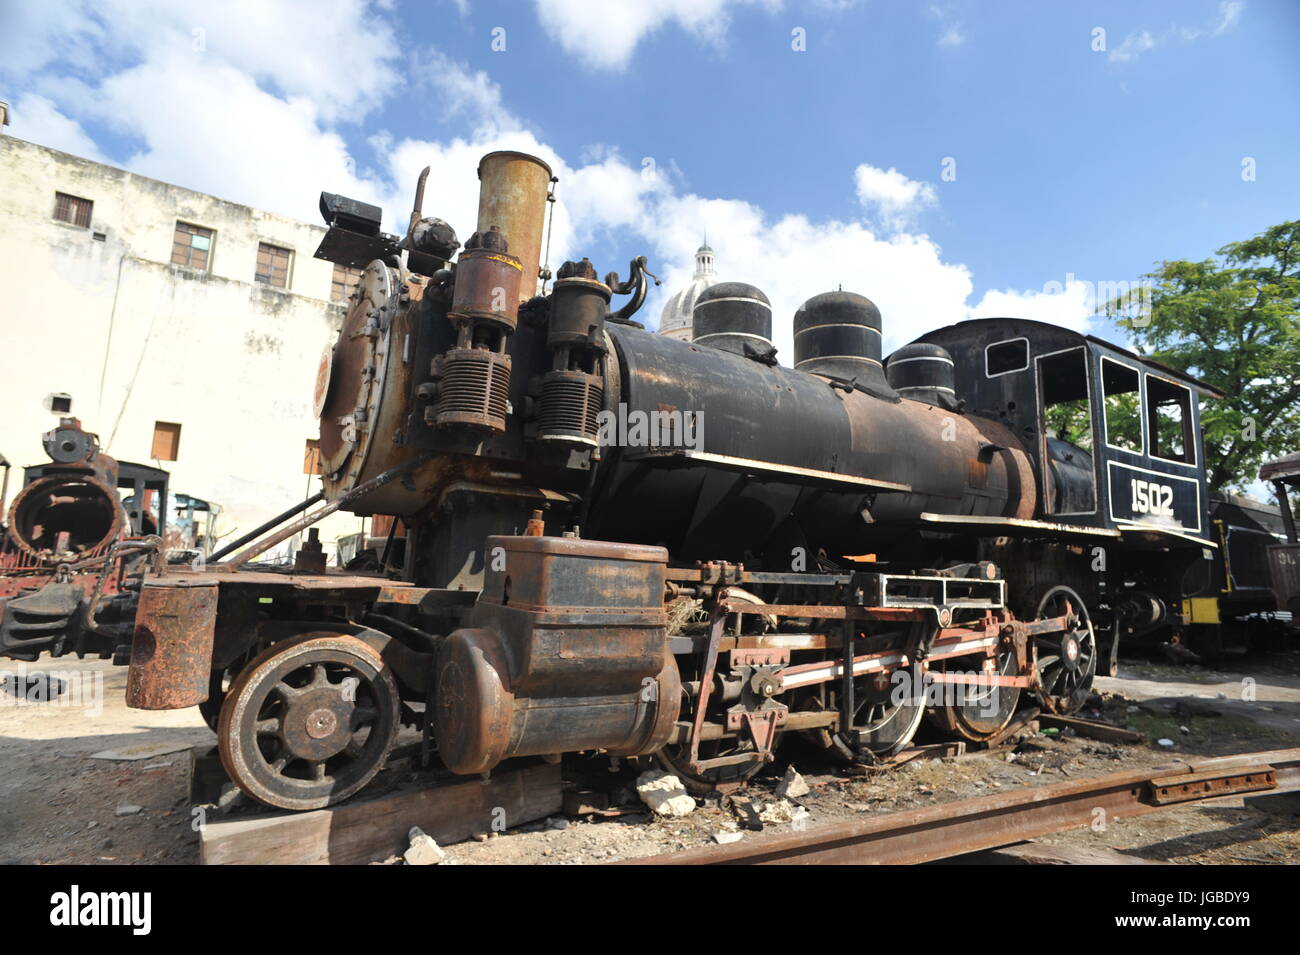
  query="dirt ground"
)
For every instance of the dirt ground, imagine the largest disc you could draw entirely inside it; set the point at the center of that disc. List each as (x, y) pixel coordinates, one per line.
(60, 803)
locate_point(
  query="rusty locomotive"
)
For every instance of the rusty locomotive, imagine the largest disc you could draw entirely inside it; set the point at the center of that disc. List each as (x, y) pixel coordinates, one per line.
(83, 528)
(602, 539)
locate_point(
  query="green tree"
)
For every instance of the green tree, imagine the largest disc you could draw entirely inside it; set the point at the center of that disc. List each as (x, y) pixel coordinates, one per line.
(1234, 323)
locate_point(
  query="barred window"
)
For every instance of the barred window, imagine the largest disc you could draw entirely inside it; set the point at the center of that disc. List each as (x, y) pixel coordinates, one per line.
(72, 209)
(272, 265)
(345, 281)
(192, 246)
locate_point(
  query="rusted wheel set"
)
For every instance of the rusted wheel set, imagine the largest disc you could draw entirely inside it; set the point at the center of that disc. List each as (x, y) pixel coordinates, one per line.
(309, 721)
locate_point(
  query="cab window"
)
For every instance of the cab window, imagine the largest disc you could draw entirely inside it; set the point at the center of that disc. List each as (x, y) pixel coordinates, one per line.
(1002, 358)
(1121, 388)
(1066, 415)
(1169, 420)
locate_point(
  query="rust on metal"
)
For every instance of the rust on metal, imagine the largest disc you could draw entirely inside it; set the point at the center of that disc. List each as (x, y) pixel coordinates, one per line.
(565, 650)
(512, 197)
(171, 651)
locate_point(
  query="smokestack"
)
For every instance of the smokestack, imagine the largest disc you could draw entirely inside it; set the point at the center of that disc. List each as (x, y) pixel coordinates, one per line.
(512, 197)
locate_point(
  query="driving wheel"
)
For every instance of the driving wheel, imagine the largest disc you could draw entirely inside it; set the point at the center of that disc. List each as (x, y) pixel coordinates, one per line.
(309, 721)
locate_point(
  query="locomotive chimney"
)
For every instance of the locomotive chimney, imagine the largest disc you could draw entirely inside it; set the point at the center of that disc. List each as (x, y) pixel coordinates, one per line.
(512, 198)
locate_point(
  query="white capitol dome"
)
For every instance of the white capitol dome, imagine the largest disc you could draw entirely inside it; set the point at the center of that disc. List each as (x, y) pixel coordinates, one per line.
(675, 319)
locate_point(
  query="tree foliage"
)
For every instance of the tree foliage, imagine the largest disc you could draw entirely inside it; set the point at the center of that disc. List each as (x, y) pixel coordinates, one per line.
(1233, 322)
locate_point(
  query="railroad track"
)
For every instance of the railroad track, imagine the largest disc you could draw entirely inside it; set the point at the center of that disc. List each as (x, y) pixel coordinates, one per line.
(987, 822)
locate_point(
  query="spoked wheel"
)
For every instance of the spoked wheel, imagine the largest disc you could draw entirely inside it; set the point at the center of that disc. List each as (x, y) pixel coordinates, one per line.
(978, 713)
(309, 721)
(1067, 661)
(887, 710)
(674, 757)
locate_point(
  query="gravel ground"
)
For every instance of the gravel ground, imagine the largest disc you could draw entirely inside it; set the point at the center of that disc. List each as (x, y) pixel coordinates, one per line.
(60, 804)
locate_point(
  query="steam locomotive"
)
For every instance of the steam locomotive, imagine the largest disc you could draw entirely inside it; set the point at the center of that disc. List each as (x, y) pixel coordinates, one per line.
(81, 526)
(603, 539)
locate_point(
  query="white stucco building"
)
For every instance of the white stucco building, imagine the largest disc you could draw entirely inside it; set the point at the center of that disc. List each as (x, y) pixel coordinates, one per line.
(187, 330)
(675, 319)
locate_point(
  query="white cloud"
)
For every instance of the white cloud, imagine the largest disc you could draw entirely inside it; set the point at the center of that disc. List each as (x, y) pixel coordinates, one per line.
(339, 53)
(231, 120)
(605, 36)
(1143, 41)
(950, 28)
(890, 197)
(36, 119)
(1071, 307)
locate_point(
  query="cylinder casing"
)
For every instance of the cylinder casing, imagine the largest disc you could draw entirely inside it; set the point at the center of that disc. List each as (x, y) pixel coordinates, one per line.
(565, 650)
(577, 316)
(487, 287)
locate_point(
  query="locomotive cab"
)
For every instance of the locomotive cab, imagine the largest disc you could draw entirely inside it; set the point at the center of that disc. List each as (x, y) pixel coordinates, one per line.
(1115, 437)
(1117, 452)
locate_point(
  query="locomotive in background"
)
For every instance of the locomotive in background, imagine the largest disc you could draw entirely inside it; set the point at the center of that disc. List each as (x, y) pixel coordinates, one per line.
(81, 531)
(615, 541)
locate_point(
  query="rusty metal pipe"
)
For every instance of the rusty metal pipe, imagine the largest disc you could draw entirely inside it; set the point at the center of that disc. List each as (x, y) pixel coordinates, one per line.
(308, 520)
(261, 529)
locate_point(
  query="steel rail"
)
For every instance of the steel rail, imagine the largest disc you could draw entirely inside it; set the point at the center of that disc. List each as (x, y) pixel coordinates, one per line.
(987, 822)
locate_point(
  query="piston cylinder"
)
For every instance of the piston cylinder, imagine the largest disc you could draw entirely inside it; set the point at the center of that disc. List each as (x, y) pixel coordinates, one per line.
(579, 304)
(565, 650)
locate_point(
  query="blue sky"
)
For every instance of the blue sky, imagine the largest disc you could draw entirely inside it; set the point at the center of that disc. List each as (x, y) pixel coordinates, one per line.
(1074, 152)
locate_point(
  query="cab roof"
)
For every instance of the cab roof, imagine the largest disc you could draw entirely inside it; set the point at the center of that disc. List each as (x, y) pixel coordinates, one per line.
(1061, 331)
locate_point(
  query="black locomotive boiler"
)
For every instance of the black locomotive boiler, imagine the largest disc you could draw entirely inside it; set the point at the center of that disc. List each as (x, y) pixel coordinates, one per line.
(603, 539)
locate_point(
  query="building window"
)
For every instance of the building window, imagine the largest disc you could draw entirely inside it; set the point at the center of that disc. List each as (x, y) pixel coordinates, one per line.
(311, 457)
(72, 209)
(272, 265)
(166, 440)
(345, 281)
(191, 246)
